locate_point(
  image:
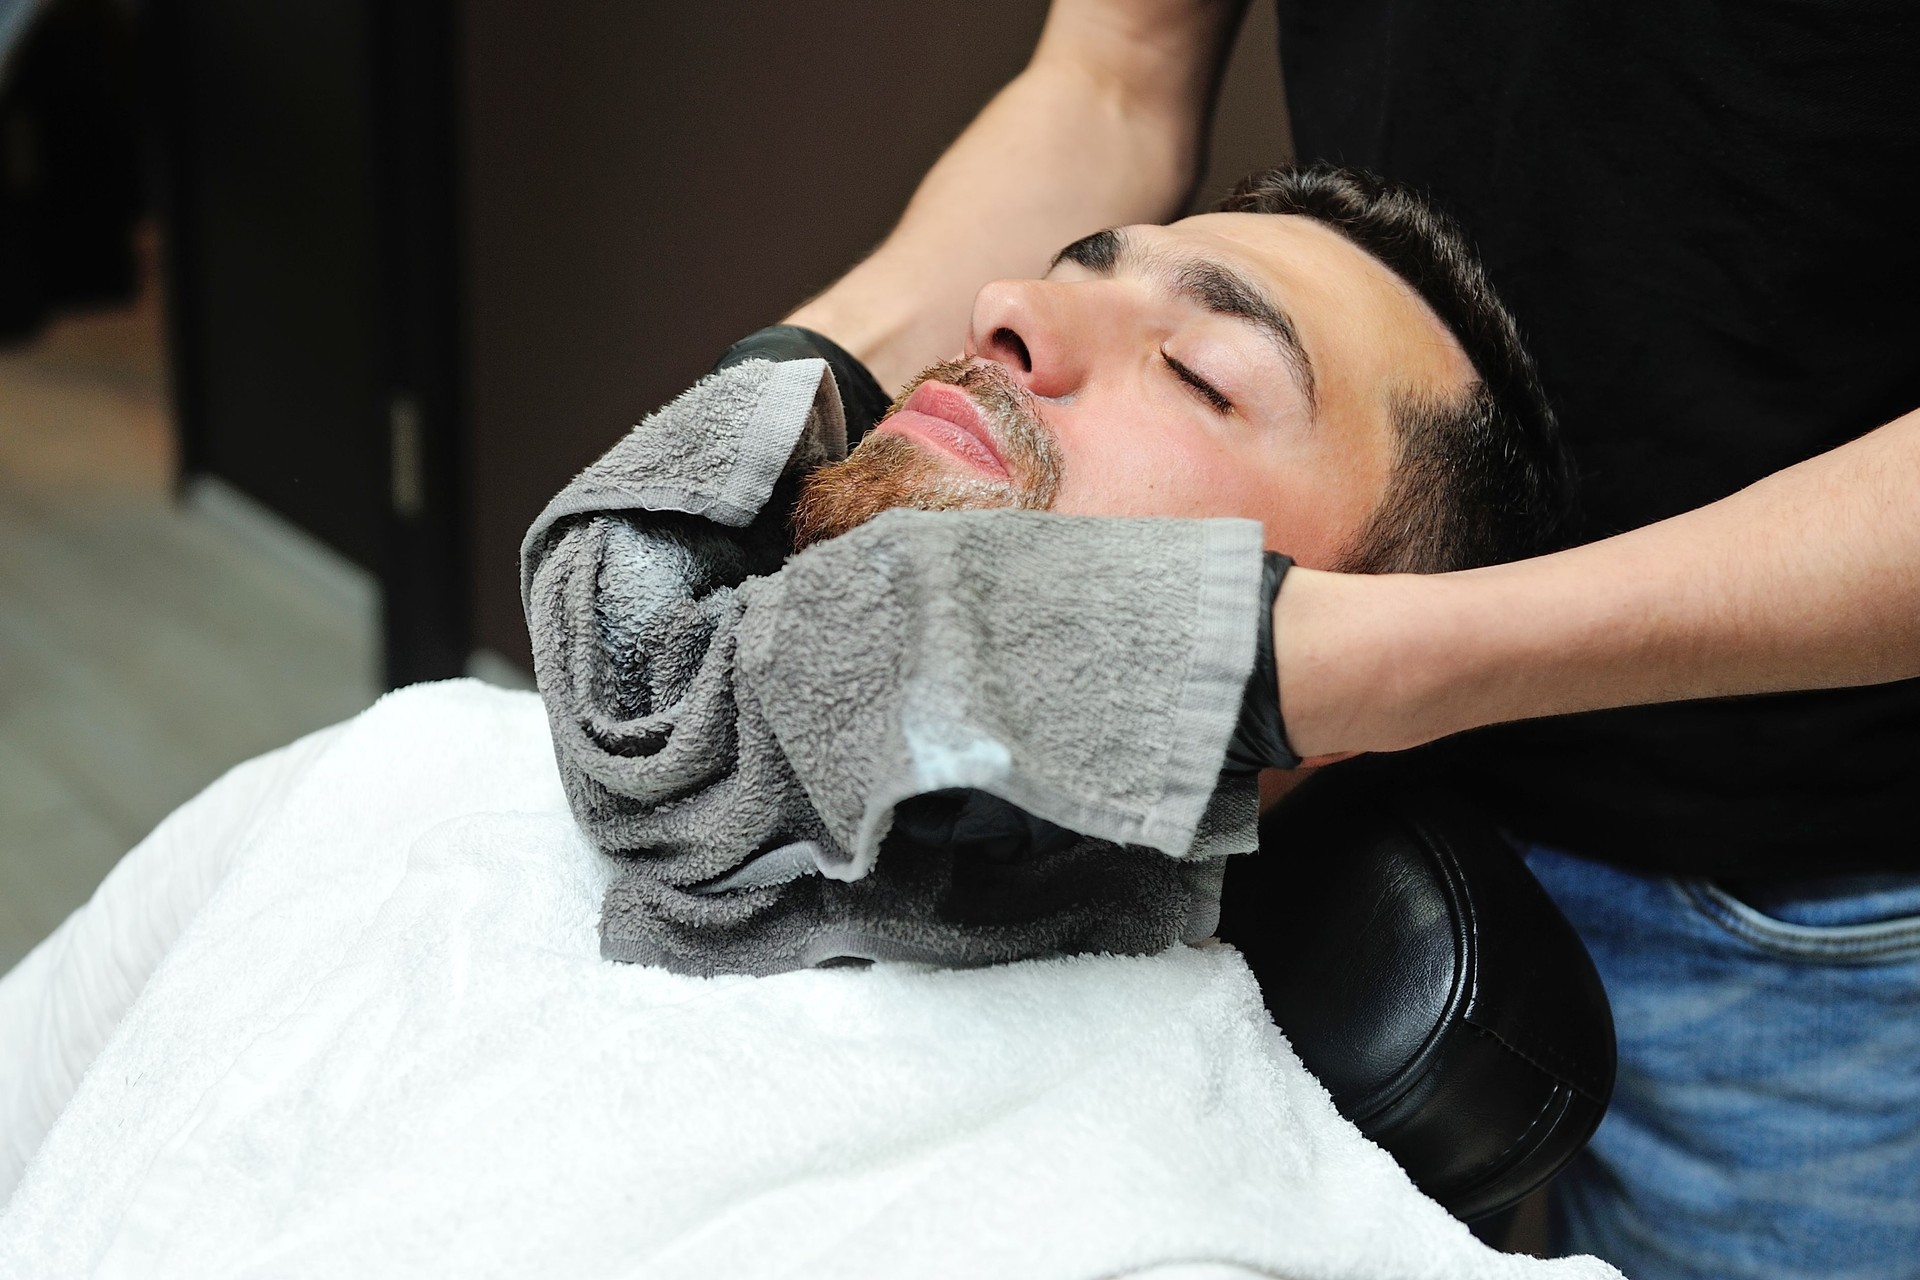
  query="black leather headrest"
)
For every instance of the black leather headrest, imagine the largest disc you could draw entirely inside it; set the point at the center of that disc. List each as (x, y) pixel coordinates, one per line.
(1425, 977)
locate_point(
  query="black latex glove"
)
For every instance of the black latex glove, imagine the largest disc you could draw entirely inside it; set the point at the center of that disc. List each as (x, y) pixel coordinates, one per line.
(1259, 740)
(860, 395)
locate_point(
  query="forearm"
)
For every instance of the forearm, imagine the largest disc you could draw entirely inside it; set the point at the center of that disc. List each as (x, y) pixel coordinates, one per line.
(1105, 126)
(1807, 579)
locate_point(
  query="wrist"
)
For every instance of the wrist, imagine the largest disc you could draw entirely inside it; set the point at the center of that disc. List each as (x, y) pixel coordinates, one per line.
(1370, 662)
(1145, 135)
(868, 333)
(1160, 60)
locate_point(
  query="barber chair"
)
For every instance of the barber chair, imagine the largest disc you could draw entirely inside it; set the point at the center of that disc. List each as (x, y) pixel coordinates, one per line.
(1425, 977)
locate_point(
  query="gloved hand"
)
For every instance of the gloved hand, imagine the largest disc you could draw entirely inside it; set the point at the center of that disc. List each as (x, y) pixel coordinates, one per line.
(860, 395)
(1260, 740)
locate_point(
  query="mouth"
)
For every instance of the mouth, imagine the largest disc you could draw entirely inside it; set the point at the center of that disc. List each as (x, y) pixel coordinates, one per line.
(947, 419)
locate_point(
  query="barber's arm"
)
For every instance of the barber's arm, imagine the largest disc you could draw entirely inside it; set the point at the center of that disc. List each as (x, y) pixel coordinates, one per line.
(1106, 125)
(1807, 579)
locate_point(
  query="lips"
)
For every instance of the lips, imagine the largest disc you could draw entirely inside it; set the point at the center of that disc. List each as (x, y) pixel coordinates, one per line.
(946, 418)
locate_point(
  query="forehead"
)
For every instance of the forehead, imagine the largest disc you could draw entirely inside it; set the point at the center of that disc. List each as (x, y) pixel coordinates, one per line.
(1365, 329)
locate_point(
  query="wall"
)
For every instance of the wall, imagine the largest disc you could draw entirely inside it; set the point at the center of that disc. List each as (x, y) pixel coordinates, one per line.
(271, 235)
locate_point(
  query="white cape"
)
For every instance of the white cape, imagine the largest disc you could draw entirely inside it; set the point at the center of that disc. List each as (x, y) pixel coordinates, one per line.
(387, 1046)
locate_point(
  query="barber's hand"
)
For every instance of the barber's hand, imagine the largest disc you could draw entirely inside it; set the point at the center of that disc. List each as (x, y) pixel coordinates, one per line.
(1259, 739)
(861, 398)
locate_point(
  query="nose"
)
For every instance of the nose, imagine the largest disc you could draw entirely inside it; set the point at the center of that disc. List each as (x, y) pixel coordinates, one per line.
(1031, 328)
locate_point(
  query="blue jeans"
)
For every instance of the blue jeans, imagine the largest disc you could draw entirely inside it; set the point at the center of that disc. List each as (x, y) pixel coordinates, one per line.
(1766, 1121)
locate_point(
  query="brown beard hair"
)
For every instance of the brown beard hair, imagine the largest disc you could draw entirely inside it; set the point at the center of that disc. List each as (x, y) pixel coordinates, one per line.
(889, 470)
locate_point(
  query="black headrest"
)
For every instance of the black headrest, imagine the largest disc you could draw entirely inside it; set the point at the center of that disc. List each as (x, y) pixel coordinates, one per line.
(1425, 977)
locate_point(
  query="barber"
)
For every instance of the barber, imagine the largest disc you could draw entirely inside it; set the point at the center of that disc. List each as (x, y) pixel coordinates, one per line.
(1706, 217)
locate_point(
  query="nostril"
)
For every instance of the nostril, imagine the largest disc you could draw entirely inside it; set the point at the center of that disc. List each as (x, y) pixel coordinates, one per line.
(1010, 340)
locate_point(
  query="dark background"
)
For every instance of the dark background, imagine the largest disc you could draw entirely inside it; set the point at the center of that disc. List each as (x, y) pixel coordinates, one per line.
(426, 259)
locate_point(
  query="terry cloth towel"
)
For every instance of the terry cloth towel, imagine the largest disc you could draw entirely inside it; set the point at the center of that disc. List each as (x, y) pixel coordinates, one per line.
(387, 1047)
(741, 730)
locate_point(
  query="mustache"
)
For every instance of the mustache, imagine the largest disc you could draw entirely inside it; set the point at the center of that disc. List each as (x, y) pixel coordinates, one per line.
(989, 386)
(888, 470)
(1012, 412)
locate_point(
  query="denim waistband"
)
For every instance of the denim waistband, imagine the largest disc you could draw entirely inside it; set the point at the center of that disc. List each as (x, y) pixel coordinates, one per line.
(1829, 901)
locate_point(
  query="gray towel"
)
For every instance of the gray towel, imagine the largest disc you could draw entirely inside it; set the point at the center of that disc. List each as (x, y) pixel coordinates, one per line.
(739, 728)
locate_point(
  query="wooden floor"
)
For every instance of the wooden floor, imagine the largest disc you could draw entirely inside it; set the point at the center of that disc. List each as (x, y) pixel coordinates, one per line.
(145, 645)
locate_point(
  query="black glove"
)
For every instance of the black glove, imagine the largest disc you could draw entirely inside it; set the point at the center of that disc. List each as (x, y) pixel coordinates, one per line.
(860, 395)
(1259, 740)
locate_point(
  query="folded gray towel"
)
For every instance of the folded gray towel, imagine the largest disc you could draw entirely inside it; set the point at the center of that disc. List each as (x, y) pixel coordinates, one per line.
(741, 731)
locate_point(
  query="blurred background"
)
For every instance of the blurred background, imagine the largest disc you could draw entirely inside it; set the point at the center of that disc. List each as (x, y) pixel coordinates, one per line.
(307, 307)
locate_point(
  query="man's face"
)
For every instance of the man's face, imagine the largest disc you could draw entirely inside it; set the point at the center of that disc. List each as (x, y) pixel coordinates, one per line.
(1230, 364)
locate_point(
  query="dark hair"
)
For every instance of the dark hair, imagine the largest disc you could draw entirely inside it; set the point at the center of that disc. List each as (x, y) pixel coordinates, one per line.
(1478, 479)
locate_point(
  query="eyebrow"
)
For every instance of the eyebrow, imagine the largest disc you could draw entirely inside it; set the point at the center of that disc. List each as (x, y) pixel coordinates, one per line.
(1212, 286)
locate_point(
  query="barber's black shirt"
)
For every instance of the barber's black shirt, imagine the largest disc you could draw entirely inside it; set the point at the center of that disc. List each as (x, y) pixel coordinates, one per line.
(1707, 218)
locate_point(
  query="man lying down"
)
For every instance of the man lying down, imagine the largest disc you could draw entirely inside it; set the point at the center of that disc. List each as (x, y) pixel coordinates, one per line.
(348, 1010)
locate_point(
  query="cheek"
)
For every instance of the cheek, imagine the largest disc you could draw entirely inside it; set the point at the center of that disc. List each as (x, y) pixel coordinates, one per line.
(1126, 470)
(1308, 503)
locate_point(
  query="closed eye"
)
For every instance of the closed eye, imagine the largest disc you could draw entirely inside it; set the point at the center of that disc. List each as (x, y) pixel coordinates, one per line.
(1206, 390)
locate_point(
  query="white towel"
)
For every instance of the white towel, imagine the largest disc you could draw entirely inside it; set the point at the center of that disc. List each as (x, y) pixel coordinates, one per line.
(387, 1047)
(59, 1004)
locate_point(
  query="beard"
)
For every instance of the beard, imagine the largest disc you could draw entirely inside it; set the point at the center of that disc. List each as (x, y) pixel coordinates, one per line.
(888, 470)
